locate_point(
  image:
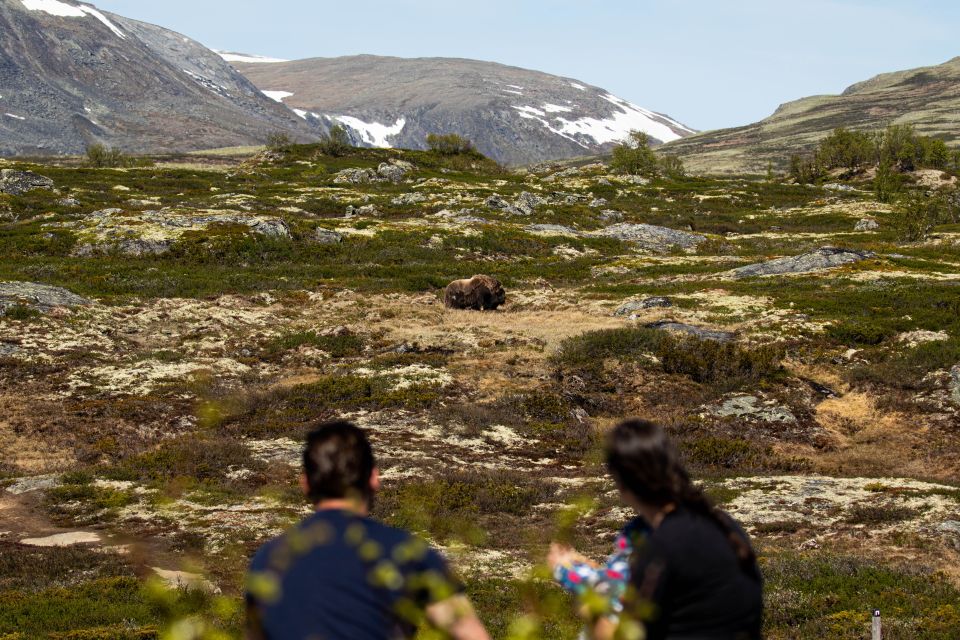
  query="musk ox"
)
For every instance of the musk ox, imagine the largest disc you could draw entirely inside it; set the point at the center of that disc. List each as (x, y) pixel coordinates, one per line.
(480, 293)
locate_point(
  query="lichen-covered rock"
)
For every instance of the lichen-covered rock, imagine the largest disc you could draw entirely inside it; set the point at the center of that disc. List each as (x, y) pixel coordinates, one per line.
(690, 330)
(356, 176)
(479, 293)
(154, 232)
(750, 407)
(524, 205)
(867, 224)
(391, 172)
(552, 230)
(15, 183)
(653, 238)
(955, 384)
(325, 236)
(38, 296)
(408, 199)
(611, 215)
(366, 210)
(633, 306)
(819, 260)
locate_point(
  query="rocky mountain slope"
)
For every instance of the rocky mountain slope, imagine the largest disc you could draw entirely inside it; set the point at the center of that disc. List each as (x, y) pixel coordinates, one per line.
(928, 98)
(513, 115)
(71, 75)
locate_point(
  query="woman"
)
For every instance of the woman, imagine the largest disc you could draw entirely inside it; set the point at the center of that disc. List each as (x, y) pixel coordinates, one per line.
(695, 576)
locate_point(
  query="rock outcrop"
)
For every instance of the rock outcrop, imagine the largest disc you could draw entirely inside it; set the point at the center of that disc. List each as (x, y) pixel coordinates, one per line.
(15, 183)
(819, 260)
(631, 307)
(867, 224)
(653, 238)
(690, 330)
(41, 297)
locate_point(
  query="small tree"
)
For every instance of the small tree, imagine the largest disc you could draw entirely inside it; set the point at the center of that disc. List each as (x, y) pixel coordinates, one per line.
(634, 156)
(888, 182)
(805, 170)
(279, 141)
(336, 143)
(672, 167)
(916, 214)
(449, 144)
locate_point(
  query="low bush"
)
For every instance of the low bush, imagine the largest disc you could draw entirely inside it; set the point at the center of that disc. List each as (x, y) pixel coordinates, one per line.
(20, 312)
(450, 144)
(705, 361)
(337, 345)
(335, 143)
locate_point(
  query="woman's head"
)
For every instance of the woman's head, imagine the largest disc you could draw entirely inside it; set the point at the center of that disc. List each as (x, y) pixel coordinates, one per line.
(645, 464)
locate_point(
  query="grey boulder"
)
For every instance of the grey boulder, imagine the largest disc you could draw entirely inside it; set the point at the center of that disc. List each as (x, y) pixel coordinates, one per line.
(15, 183)
(867, 224)
(819, 260)
(38, 296)
(690, 330)
(325, 236)
(955, 384)
(633, 306)
(651, 237)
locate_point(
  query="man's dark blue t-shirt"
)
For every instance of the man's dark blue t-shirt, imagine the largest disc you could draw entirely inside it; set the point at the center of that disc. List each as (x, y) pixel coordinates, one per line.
(339, 576)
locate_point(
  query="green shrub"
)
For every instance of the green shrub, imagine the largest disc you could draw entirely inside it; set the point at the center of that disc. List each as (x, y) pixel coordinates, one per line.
(859, 333)
(338, 346)
(100, 157)
(450, 144)
(336, 142)
(879, 514)
(805, 170)
(634, 156)
(20, 312)
(279, 142)
(916, 214)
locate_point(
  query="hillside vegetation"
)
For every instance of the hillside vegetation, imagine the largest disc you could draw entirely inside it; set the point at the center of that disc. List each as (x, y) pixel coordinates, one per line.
(209, 310)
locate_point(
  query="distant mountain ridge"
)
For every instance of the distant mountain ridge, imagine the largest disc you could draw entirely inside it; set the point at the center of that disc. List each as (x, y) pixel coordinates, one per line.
(928, 98)
(513, 115)
(71, 75)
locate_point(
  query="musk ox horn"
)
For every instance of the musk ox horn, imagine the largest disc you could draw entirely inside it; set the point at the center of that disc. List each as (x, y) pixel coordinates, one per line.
(480, 293)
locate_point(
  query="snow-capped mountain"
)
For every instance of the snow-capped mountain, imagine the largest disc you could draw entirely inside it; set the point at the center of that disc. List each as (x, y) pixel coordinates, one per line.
(71, 75)
(513, 115)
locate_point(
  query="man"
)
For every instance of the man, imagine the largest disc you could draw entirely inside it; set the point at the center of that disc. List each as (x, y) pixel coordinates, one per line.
(339, 575)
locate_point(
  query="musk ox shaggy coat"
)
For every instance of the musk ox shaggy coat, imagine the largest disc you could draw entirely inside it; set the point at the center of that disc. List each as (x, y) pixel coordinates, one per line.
(480, 293)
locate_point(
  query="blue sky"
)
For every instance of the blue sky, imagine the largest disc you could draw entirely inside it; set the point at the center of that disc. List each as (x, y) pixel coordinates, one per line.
(707, 63)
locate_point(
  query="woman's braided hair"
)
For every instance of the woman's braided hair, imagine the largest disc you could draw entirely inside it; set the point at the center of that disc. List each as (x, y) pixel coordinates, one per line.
(644, 462)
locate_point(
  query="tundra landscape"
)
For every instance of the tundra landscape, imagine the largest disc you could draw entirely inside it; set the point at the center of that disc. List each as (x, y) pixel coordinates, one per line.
(172, 328)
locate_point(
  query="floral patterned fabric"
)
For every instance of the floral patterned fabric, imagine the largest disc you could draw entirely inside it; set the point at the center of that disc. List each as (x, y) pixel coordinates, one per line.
(609, 580)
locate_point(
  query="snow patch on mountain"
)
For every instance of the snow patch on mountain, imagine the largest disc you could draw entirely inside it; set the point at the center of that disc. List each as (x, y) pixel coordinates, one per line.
(555, 108)
(64, 10)
(278, 96)
(373, 133)
(578, 86)
(14, 116)
(246, 57)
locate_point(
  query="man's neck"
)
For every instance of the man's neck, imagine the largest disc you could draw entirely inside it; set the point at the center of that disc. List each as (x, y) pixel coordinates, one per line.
(351, 506)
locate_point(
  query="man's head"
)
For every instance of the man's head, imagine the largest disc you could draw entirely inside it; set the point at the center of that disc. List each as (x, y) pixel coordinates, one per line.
(338, 464)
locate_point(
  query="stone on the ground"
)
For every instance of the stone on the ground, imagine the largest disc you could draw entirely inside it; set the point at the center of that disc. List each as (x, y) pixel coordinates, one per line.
(356, 176)
(652, 238)
(33, 483)
(819, 260)
(185, 580)
(408, 199)
(552, 230)
(754, 408)
(38, 296)
(15, 183)
(690, 330)
(391, 172)
(63, 539)
(633, 306)
(325, 236)
(867, 224)
(955, 384)
(611, 215)
(524, 205)
(839, 187)
(365, 210)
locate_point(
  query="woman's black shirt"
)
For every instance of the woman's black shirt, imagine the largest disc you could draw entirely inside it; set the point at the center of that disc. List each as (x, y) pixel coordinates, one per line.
(699, 590)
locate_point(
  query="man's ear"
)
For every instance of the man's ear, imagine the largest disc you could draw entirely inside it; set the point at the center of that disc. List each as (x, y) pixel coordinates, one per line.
(375, 480)
(304, 484)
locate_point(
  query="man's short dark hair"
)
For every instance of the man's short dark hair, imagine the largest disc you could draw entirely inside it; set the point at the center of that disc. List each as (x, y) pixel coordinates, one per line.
(338, 462)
